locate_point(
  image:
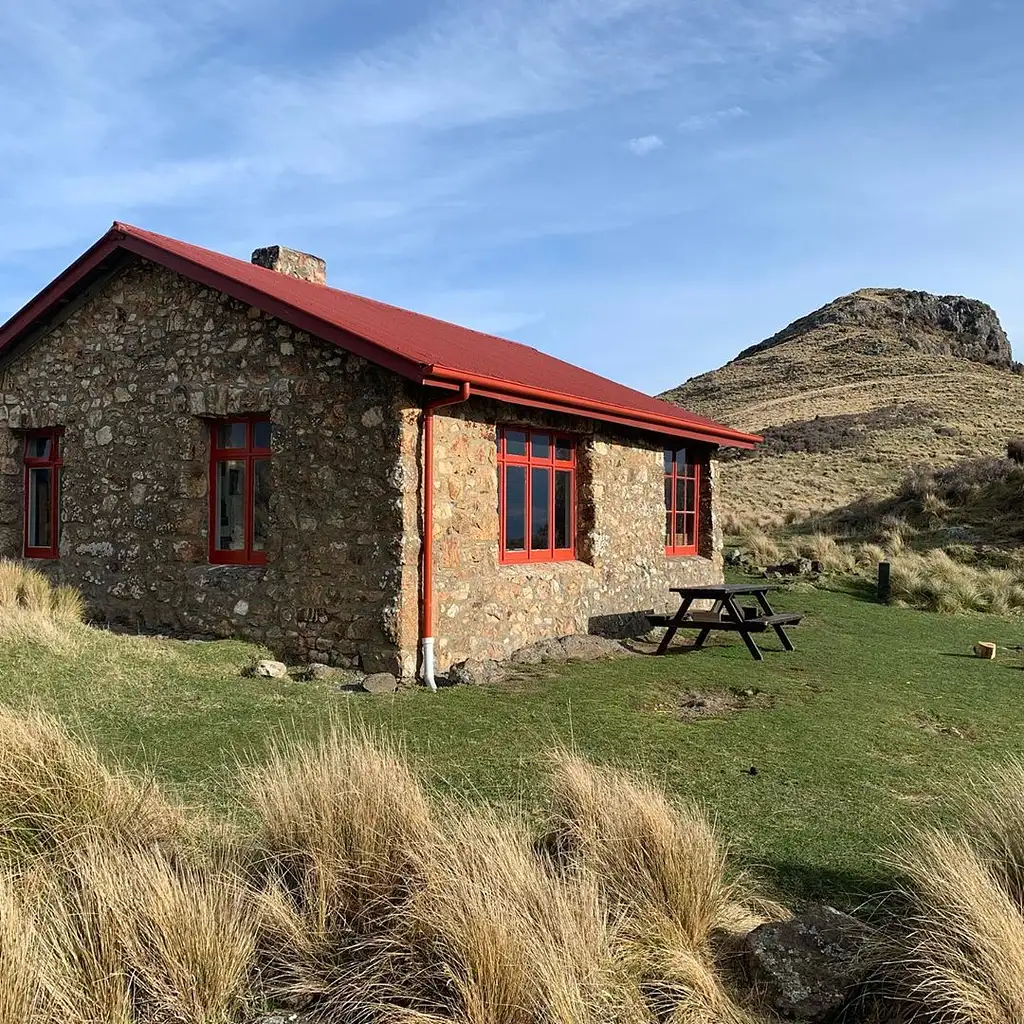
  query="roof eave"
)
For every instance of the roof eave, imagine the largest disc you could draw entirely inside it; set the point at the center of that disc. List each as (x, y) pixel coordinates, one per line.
(510, 391)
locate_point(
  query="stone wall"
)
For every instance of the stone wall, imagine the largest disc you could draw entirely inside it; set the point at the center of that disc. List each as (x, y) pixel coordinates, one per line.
(488, 610)
(132, 376)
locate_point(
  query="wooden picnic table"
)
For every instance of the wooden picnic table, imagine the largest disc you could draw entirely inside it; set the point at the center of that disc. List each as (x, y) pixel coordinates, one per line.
(726, 614)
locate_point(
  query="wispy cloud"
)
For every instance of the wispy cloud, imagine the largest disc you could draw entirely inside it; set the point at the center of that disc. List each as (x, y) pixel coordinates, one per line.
(700, 122)
(645, 144)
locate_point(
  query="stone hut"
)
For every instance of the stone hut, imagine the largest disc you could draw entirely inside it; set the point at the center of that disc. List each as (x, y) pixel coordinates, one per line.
(211, 447)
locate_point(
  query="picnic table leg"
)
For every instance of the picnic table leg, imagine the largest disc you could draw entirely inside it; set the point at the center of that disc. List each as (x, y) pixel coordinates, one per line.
(762, 600)
(677, 619)
(737, 616)
(705, 633)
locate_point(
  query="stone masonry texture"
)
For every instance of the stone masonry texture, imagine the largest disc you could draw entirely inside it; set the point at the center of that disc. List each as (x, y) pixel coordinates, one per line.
(136, 374)
(488, 610)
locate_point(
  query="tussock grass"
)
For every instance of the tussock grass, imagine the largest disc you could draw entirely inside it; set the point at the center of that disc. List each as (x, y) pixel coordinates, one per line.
(506, 942)
(663, 869)
(960, 956)
(356, 896)
(341, 824)
(34, 611)
(56, 794)
(936, 582)
(762, 548)
(22, 995)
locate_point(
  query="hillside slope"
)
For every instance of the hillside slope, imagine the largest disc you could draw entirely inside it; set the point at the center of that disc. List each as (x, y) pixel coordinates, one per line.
(851, 395)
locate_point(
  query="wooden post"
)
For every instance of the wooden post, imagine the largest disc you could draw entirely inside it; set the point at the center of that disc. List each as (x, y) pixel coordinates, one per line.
(884, 584)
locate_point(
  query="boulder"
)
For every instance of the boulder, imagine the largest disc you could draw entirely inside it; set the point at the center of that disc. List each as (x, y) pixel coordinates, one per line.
(807, 966)
(268, 669)
(798, 567)
(380, 682)
(473, 672)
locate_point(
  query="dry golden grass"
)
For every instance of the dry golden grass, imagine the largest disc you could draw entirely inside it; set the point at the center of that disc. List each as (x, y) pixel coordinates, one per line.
(56, 794)
(831, 372)
(959, 957)
(663, 870)
(353, 895)
(509, 943)
(936, 582)
(22, 995)
(33, 611)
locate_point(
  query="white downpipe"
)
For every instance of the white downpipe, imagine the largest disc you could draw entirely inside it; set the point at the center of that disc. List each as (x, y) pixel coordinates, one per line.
(428, 663)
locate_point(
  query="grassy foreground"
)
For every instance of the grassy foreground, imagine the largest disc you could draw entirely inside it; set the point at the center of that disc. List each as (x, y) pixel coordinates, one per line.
(878, 714)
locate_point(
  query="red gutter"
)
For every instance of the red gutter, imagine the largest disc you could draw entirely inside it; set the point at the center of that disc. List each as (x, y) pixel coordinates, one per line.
(509, 390)
(427, 575)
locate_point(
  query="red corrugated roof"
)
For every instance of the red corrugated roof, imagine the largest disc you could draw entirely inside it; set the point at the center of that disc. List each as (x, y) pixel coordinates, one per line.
(419, 347)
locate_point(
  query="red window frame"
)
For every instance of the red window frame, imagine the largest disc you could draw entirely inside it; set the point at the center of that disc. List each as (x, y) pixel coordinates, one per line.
(679, 473)
(53, 462)
(250, 454)
(531, 463)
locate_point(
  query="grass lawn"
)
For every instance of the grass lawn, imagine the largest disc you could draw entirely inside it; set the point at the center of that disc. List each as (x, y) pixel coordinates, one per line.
(875, 720)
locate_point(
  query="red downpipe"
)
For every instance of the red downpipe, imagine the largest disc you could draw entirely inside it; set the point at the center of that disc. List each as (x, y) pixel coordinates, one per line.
(427, 595)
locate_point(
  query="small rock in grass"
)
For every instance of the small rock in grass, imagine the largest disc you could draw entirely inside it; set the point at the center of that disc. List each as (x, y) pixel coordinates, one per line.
(268, 669)
(316, 671)
(380, 682)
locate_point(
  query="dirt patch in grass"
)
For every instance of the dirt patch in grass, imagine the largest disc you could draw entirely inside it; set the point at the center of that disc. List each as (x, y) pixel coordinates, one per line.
(934, 726)
(695, 705)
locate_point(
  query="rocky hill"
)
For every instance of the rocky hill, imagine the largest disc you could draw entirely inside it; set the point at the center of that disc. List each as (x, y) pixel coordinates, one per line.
(851, 395)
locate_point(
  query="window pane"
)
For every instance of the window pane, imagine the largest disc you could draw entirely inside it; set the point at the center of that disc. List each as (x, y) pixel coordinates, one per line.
(668, 461)
(563, 449)
(540, 445)
(685, 494)
(230, 506)
(515, 507)
(668, 528)
(691, 494)
(563, 509)
(230, 435)
(681, 520)
(261, 434)
(681, 459)
(668, 493)
(40, 534)
(261, 504)
(38, 448)
(515, 442)
(540, 510)
(691, 532)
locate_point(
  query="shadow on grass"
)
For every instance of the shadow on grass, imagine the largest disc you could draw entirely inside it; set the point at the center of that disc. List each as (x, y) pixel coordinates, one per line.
(871, 894)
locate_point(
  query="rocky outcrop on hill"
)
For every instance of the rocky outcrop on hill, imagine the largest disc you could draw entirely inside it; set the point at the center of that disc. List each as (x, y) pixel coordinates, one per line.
(940, 325)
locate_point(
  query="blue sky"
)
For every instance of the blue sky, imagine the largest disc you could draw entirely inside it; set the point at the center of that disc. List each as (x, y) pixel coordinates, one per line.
(640, 186)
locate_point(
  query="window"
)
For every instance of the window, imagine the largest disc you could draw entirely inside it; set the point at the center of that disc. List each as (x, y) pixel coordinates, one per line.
(682, 503)
(42, 492)
(536, 496)
(239, 490)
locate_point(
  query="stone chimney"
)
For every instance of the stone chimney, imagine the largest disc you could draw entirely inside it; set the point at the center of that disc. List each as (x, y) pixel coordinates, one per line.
(291, 262)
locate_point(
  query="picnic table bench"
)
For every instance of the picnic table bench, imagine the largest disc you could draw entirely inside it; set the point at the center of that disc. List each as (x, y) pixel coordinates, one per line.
(726, 614)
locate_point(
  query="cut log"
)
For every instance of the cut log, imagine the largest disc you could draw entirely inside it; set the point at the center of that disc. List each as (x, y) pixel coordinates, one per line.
(985, 650)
